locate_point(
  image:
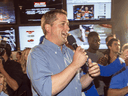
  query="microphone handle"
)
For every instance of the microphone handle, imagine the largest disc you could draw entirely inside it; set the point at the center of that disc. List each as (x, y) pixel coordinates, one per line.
(74, 46)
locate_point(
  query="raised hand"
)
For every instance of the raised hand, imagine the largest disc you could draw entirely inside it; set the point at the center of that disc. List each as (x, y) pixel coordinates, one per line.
(94, 69)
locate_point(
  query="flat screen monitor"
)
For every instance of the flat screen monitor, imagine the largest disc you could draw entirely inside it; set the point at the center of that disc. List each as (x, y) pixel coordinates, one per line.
(8, 34)
(7, 12)
(32, 11)
(29, 36)
(81, 10)
(80, 33)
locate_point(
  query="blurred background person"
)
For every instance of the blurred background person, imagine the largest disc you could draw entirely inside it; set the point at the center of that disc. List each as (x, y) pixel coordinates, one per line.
(3, 88)
(109, 57)
(108, 38)
(11, 70)
(94, 53)
(119, 82)
(18, 56)
(26, 82)
(24, 57)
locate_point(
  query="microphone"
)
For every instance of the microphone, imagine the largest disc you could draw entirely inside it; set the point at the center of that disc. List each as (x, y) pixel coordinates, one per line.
(72, 42)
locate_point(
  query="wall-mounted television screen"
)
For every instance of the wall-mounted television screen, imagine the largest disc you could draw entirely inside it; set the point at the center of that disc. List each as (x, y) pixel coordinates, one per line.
(29, 36)
(79, 10)
(80, 33)
(8, 34)
(32, 11)
(7, 12)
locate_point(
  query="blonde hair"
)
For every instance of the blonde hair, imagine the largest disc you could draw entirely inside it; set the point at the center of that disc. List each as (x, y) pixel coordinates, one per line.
(4, 83)
(124, 47)
(23, 59)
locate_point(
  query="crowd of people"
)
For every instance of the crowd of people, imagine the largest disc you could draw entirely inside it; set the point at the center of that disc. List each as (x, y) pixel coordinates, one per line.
(13, 77)
(53, 69)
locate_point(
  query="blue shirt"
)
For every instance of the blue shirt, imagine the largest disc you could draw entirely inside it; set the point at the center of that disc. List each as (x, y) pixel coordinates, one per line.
(108, 70)
(46, 60)
(111, 69)
(120, 80)
(3, 94)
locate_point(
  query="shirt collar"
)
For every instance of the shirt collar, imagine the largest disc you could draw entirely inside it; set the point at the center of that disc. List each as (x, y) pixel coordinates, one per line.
(122, 59)
(53, 46)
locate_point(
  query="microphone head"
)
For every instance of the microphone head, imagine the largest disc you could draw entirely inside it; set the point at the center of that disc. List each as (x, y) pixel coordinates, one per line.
(71, 40)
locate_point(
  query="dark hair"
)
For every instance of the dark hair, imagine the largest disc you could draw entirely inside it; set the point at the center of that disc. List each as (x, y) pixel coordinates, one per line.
(8, 50)
(112, 35)
(111, 41)
(91, 34)
(19, 53)
(108, 50)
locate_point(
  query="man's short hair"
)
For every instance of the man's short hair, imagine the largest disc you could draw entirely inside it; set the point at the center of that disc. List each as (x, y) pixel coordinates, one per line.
(111, 35)
(91, 34)
(50, 17)
(111, 41)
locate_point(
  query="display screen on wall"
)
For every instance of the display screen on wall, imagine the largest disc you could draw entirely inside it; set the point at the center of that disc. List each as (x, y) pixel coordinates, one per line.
(32, 11)
(29, 36)
(7, 12)
(80, 10)
(80, 33)
(8, 34)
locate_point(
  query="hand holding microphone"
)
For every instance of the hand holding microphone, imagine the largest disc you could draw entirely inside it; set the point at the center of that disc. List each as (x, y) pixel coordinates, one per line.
(80, 58)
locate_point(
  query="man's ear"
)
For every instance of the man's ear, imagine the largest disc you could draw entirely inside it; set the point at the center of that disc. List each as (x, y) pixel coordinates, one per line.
(109, 47)
(48, 28)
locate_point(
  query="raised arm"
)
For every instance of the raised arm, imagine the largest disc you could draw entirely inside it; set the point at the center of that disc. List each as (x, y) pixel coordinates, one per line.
(111, 68)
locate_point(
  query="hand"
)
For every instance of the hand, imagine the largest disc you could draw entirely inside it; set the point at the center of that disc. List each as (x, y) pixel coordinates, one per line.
(79, 57)
(82, 6)
(103, 60)
(94, 69)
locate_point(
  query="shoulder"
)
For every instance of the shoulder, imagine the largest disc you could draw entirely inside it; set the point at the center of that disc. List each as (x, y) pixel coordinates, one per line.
(14, 64)
(120, 72)
(99, 53)
(37, 50)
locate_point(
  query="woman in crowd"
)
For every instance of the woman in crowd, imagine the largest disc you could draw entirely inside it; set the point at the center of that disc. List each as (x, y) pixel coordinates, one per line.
(3, 89)
(18, 57)
(23, 60)
(26, 81)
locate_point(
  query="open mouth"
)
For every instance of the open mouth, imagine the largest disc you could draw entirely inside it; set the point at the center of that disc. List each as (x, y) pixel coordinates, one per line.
(65, 34)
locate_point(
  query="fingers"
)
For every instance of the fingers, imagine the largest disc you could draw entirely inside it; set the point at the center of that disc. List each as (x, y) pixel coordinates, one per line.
(81, 50)
(80, 57)
(94, 69)
(89, 61)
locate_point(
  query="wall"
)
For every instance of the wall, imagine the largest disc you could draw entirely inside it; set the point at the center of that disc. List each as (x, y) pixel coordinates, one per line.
(120, 20)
